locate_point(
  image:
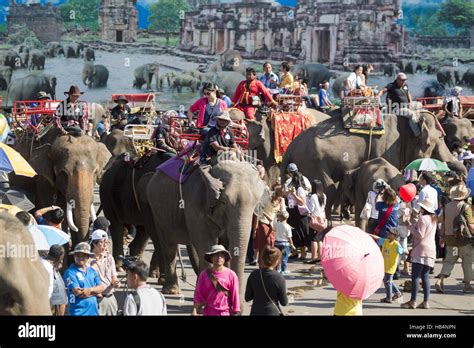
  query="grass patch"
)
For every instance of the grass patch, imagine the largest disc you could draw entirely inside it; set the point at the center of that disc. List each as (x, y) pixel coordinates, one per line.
(5, 46)
(449, 54)
(160, 40)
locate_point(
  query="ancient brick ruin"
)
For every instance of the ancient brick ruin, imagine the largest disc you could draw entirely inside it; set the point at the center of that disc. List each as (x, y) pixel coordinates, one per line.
(44, 21)
(338, 32)
(118, 20)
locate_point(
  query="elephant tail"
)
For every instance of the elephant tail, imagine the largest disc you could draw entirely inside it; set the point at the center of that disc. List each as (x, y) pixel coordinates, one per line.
(193, 258)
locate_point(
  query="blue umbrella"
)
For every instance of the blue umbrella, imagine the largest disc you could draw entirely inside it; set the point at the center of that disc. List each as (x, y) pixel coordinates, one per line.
(54, 235)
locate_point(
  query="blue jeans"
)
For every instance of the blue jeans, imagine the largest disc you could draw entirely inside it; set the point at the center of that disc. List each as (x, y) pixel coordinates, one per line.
(285, 251)
(420, 271)
(389, 286)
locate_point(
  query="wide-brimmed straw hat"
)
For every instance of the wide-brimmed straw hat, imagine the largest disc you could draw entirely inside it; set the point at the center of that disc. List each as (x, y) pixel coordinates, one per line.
(224, 117)
(216, 249)
(427, 205)
(82, 248)
(74, 90)
(459, 192)
(121, 98)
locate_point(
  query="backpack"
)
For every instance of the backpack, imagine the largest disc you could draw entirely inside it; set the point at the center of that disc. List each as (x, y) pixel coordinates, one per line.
(460, 227)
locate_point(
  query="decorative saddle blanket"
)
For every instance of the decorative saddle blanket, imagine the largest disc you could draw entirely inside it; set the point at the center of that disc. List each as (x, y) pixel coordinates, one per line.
(180, 167)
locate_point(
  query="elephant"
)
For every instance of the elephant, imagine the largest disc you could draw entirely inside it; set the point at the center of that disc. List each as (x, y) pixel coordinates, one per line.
(226, 80)
(37, 60)
(94, 76)
(5, 77)
(468, 77)
(71, 50)
(28, 87)
(458, 132)
(358, 182)
(23, 278)
(448, 76)
(390, 69)
(80, 47)
(144, 74)
(409, 66)
(213, 206)
(432, 88)
(430, 69)
(54, 49)
(25, 59)
(229, 60)
(326, 151)
(315, 74)
(184, 80)
(68, 168)
(11, 59)
(116, 142)
(89, 54)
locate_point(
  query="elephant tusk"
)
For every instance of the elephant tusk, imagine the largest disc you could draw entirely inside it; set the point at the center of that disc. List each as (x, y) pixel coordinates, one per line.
(70, 219)
(92, 212)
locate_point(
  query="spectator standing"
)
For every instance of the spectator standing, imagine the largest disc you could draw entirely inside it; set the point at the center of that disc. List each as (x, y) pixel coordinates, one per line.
(317, 208)
(388, 212)
(56, 216)
(58, 298)
(284, 240)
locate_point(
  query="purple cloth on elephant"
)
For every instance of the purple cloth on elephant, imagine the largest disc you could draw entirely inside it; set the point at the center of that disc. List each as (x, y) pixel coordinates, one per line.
(174, 166)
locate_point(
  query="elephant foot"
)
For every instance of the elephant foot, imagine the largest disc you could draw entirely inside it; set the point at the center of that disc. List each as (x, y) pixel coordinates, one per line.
(153, 274)
(171, 290)
(161, 280)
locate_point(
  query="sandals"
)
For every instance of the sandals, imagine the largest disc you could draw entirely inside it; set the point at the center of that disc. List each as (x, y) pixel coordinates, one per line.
(423, 305)
(408, 305)
(439, 288)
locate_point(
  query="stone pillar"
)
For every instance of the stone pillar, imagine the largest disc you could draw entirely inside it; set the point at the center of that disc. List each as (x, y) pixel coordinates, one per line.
(232, 40)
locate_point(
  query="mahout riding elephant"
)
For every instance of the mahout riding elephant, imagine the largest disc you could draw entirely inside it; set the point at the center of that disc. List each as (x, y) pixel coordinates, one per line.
(327, 151)
(390, 69)
(448, 76)
(89, 54)
(23, 278)
(184, 80)
(5, 77)
(11, 59)
(28, 87)
(468, 77)
(458, 132)
(37, 60)
(432, 88)
(213, 205)
(226, 80)
(358, 182)
(315, 74)
(95, 75)
(229, 60)
(144, 75)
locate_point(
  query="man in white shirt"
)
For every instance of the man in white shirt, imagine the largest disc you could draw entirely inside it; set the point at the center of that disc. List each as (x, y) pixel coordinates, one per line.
(146, 300)
(427, 192)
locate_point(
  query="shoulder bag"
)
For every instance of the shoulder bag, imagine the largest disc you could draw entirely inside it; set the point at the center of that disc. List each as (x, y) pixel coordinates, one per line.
(268, 296)
(220, 288)
(384, 220)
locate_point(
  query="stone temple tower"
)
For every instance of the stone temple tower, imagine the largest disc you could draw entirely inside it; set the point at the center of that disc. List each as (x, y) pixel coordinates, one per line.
(118, 20)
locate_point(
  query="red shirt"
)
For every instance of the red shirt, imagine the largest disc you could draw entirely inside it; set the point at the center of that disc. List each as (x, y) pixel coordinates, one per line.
(243, 97)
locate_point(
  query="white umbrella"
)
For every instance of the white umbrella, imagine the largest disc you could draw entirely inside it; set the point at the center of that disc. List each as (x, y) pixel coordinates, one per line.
(38, 238)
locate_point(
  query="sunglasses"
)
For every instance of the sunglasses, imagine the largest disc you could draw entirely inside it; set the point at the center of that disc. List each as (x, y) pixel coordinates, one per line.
(209, 93)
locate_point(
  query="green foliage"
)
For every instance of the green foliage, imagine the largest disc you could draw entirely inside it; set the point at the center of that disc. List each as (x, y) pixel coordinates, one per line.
(3, 28)
(166, 15)
(459, 13)
(424, 19)
(22, 35)
(82, 13)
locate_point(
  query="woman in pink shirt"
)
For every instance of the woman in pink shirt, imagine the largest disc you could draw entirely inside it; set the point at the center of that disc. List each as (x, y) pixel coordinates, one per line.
(217, 288)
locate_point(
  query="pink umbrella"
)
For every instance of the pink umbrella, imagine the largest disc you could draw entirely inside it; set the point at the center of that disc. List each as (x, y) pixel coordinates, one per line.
(352, 262)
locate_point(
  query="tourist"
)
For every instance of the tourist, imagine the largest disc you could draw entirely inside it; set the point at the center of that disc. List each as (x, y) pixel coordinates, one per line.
(378, 188)
(161, 136)
(144, 300)
(284, 240)
(70, 113)
(266, 287)
(55, 216)
(366, 70)
(247, 95)
(225, 97)
(428, 192)
(391, 250)
(353, 81)
(103, 262)
(324, 101)
(423, 253)
(217, 288)
(286, 78)
(103, 127)
(83, 283)
(317, 209)
(269, 79)
(58, 298)
(387, 212)
(347, 306)
(120, 113)
(452, 105)
(208, 107)
(456, 247)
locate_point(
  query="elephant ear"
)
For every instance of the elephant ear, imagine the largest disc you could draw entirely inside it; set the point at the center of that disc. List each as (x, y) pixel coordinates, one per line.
(42, 163)
(103, 159)
(213, 187)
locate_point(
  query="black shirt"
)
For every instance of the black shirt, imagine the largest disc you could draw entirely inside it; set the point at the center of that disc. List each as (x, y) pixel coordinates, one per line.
(222, 137)
(68, 112)
(397, 95)
(276, 287)
(119, 114)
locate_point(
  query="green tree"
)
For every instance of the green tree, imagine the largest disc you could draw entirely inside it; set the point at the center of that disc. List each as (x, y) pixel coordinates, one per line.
(166, 15)
(82, 13)
(459, 13)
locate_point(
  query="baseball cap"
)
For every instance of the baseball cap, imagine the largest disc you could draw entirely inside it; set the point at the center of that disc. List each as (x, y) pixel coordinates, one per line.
(292, 168)
(99, 235)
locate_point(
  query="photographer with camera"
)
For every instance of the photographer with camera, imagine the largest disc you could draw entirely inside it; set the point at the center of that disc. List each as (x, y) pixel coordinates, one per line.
(145, 300)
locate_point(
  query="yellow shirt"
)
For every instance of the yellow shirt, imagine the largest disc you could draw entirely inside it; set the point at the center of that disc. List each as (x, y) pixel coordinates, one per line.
(287, 81)
(347, 306)
(390, 252)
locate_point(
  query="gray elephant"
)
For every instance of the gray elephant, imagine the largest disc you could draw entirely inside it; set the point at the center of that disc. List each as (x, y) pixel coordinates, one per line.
(390, 69)
(214, 205)
(144, 75)
(5, 77)
(226, 80)
(25, 59)
(54, 49)
(458, 132)
(89, 54)
(23, 278)
(116, 143)
(37, 60)
(409, 66)
(11, 59)
(358, 182)
(229, 60)
(468, 77)
(431, 69)
(448, 76)
(95, 76)
(71, 50)
(184, 80)
(315, 74)
(28, 87)
(432, 88)
(327, 151)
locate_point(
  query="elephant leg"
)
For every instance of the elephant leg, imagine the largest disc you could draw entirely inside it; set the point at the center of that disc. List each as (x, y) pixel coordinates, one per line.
(138, 245)
(171, 285)
(331, 193)
(116, 231)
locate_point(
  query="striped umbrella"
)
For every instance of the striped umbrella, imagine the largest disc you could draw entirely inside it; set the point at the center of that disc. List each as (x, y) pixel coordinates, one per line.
(428, 165)
(11, 161)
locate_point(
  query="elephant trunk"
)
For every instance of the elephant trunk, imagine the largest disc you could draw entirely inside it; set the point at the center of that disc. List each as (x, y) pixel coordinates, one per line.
(442, 153)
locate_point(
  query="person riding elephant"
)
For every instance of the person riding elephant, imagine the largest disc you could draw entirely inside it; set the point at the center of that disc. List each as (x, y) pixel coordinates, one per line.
(208, 108)
(5, 77)
(448, 76)
(89, 54)
(144, 75)
(315, 74)
(120, 113)
(184, 80)
(161, 135)
(95, 76)
(26, 294)
(452, 104)
(468, 77)
(323, 152)
(358, 182)
(28, 87)
(37, 60)
(69, 116)
(219, 205)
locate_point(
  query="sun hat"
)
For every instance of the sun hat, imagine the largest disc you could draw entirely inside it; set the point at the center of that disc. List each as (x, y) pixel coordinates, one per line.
(427, 205)
(378, 185)
(74, 90)
(216, 249)
(292, 168)
(402, 76)
(99, 235)
(459, 192)
(121, 98)
(456, 91)
(224, 117)
(82, 248)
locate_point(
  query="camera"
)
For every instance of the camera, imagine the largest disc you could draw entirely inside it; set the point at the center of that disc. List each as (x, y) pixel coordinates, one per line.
(128, 261)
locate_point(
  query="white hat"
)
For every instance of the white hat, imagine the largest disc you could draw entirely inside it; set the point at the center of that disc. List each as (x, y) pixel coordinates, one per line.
(427, 205)
(459, 192)
(99, 235)
(292, 168)
(216, 249)
(402, 76)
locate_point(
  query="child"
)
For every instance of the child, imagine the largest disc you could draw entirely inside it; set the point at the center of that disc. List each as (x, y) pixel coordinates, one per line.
(283, 241)
(391, 250)
(347, 305)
